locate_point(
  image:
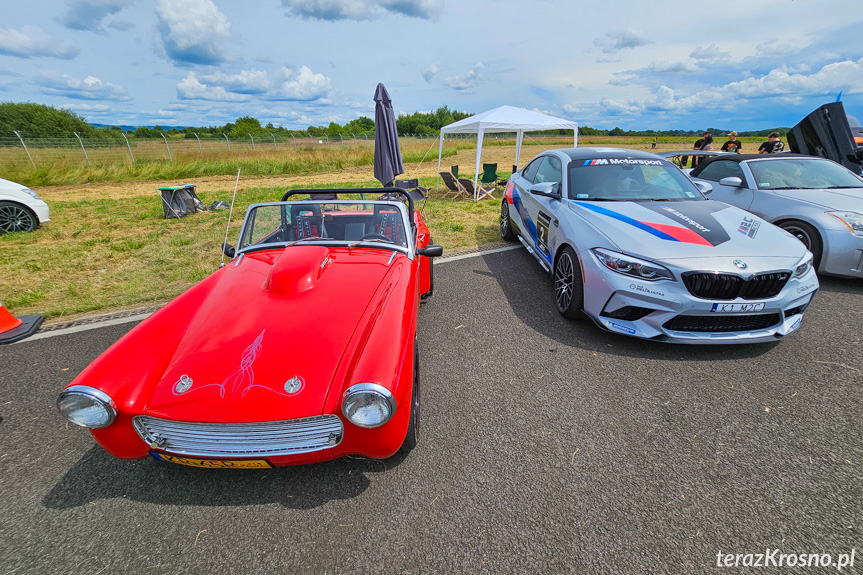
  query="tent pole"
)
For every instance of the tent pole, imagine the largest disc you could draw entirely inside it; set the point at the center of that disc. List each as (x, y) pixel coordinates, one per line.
(439, 154)
(518, 138)
(479, 134)
(575, 138)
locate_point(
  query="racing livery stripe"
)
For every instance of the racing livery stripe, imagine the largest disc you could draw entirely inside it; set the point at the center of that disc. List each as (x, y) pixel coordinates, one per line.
(681, 234)
(626, 219)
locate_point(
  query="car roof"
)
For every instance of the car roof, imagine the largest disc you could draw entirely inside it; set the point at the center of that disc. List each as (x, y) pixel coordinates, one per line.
(590, 153)
(744, 157)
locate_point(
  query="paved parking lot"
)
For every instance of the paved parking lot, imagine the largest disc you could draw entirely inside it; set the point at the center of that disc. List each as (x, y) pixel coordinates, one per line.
(546, 446)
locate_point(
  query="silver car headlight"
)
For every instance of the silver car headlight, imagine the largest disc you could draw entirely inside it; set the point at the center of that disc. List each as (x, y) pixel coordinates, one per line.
(803, 268)
(87, 406)
(368, 405)
(853, 220)
(31, 193)
(631, 266)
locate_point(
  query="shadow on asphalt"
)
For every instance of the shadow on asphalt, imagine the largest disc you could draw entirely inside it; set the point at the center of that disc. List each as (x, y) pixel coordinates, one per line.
(99, 475)
(527, 288)
(841, 285)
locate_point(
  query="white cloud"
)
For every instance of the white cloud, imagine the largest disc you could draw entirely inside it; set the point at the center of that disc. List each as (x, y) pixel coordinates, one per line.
(304, 85)
(846, 75)
(617, 40)
(88, 14)
(363, 9)
(666, 67)
(710, 54)
(300, 85)
(90, 88)
(32, 42)
(193, 31)
(465, 81)
(190, 88)
(430, 73)
(245, 82)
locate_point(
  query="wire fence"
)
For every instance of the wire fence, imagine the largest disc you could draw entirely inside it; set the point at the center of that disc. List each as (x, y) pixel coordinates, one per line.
(116, 147)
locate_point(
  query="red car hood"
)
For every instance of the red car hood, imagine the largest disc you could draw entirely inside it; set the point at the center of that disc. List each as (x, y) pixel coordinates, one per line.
(266, 340)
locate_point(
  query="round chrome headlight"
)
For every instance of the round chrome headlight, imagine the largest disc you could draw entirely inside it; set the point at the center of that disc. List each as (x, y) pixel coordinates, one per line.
(87, 406)
(368, 405)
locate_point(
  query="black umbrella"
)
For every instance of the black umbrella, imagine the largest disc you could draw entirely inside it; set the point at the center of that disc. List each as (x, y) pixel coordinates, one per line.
(388, 155)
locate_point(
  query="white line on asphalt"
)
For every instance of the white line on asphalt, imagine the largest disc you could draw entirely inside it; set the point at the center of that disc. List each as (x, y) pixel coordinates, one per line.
(85, 327)
(475, 255)
(143, 316)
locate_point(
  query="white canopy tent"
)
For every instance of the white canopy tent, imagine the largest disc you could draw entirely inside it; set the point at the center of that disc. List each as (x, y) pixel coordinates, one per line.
(504, 119)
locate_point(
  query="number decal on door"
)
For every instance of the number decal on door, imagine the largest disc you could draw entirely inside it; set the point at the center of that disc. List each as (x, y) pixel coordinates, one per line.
(542, 221)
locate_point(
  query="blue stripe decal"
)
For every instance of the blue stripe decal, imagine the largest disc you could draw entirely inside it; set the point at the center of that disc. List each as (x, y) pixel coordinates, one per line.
(626, 220)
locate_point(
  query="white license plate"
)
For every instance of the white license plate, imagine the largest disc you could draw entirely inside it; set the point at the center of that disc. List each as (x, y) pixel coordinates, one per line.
(736, 307)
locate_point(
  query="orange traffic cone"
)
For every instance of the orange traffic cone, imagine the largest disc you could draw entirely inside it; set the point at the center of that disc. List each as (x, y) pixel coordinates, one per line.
(13, 328)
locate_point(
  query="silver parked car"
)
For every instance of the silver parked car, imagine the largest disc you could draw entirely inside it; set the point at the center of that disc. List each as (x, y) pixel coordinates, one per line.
(633, 243)
(817, 200)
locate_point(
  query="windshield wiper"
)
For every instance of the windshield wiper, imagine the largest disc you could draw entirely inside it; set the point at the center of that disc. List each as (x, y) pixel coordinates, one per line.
(358, 242)
(303, 240)
(841, 187)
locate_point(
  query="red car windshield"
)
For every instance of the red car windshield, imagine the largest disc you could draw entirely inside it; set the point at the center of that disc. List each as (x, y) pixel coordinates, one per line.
(382, 224)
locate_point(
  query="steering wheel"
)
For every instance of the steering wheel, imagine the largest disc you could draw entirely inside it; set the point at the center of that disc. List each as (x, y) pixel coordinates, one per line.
(376, 236)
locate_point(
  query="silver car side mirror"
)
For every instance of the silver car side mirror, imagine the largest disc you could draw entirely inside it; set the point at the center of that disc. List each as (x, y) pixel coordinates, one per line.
(704, 187)
(731, 182)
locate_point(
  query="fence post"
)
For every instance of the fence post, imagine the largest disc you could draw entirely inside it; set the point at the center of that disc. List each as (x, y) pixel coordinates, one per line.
(200, 150)
(128, 146)
(276, 146)
(341, 141)
(328, 139)
(170, 159)
(82, 147)
(293, 142)
(226, 139)
(253, 141)
(25, 148)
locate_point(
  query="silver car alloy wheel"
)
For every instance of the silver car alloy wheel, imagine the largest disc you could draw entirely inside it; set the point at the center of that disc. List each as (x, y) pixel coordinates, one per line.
(15, 218)
(504, 219)
(563, 280)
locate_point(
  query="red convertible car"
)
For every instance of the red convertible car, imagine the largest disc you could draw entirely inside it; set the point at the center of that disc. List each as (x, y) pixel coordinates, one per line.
(301, 349)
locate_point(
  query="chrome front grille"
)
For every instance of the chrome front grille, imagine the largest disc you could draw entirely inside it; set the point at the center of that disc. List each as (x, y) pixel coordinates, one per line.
(259, 439)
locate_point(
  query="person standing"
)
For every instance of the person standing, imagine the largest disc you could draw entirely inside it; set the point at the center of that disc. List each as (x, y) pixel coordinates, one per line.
(773, 145)
(732, 145)
(704, 143)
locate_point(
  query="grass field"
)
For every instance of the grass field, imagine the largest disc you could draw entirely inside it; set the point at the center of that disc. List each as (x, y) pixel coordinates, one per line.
(107, 246)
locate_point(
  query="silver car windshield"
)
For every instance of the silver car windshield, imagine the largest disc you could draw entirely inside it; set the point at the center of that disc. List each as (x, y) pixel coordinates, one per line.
(369, 224)
(802, 174)
(626, 180)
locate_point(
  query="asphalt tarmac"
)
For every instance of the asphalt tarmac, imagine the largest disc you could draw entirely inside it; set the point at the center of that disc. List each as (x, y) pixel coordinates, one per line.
(546, 445)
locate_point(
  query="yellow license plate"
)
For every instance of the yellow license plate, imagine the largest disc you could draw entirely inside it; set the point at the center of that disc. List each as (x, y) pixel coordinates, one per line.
(213, 463)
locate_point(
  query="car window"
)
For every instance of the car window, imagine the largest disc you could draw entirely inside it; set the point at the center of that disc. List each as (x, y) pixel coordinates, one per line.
(549, 171)
(719, 169)
(530, 171)
(800, 173)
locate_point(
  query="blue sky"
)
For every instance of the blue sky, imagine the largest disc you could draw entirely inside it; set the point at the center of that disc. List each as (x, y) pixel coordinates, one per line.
(635, 64)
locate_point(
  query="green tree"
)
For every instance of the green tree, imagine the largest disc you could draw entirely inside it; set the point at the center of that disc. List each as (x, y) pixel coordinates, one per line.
(40, 121)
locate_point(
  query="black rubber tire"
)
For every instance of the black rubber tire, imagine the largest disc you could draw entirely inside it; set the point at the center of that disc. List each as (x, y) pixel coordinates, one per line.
(428, 294)
(413, 433)
(15, 217)
(808, 236)
(568, 285)
(506, 231)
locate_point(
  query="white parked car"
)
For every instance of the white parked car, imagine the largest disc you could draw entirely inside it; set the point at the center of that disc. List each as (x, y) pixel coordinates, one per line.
(21, 209)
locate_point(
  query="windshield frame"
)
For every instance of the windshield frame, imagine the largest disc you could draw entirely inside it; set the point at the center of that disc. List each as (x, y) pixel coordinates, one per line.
(757, 164)
(685, 183)
(248, 221)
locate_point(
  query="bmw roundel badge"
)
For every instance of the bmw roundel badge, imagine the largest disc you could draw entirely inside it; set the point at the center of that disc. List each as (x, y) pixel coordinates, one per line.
(740, 264)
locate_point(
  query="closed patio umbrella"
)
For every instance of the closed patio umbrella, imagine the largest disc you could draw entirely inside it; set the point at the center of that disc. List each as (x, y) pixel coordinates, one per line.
(388, 155)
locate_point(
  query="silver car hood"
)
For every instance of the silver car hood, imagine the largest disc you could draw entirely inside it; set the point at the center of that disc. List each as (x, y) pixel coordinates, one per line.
(844, 199)
(688, 229)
